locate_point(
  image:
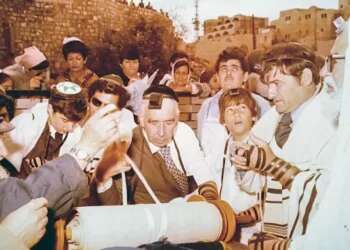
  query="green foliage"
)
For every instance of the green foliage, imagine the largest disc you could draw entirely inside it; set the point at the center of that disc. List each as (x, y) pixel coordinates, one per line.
(153, 35)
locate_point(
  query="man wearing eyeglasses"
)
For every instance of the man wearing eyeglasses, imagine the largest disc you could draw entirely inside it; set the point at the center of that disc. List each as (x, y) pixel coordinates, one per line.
(57, 186)
(232, 71)
(295, 144)
(102, 92)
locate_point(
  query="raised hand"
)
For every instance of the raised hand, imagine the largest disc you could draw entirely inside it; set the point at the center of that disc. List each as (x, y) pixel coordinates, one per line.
(253, 157)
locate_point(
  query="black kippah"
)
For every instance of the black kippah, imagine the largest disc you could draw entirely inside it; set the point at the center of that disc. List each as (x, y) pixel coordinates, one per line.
(161, 89)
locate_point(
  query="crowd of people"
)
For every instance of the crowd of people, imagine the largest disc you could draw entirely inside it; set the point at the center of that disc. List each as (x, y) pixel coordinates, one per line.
(263, 138)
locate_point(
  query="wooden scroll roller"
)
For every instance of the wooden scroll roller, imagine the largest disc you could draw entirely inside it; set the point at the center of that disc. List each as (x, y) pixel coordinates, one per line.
(208, 192)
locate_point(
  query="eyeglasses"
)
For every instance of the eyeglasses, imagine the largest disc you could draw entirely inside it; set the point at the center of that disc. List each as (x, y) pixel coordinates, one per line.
(331, 61)
(96, 102)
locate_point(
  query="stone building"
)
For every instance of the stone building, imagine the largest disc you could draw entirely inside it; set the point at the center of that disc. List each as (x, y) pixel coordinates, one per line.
(224, 27)
(312, 25)
(44, 23)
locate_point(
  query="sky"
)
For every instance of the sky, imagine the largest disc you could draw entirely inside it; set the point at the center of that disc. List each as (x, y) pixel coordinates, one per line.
(183, 11)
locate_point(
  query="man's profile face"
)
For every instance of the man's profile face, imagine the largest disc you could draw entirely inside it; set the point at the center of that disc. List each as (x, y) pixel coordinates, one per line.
(160, 124)
(61, 123)
(284, 89)
(231, 74)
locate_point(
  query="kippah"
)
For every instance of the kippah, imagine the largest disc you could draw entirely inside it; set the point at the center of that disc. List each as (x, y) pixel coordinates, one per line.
(161, 89)
(67, 90)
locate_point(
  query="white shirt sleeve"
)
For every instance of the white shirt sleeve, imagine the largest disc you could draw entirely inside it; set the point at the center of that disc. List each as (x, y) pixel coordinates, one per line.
(191, 154)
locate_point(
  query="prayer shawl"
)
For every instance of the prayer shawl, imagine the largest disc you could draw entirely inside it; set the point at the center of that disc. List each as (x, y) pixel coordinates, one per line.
(310, 147)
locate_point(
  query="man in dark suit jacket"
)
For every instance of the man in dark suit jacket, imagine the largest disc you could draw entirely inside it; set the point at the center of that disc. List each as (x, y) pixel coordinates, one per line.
(166, 151)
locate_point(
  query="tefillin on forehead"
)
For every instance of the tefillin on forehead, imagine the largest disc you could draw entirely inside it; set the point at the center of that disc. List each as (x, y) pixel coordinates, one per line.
(156, 100)
(157, 93)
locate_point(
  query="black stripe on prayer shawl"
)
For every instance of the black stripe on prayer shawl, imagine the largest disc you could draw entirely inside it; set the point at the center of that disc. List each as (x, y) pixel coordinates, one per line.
(300, 199)
(274, 190)
(310, 205)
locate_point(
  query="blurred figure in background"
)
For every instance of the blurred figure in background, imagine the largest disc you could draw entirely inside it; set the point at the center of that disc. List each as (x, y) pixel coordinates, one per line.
(75, 53)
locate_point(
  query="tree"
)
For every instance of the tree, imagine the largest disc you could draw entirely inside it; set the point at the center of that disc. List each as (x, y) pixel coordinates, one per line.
(152, 34)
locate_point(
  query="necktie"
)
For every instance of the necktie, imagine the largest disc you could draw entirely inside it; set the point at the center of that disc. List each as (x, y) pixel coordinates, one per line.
(54, 146)
(179, 176)
(283, 129)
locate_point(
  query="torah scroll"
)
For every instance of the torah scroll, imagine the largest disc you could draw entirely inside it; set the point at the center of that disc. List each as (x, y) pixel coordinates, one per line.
(134, 225)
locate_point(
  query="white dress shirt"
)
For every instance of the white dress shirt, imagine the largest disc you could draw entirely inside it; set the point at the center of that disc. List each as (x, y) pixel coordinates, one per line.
(189, 151)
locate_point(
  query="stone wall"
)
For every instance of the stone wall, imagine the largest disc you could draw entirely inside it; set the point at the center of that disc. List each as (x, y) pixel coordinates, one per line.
(44, 23)
(189, 106)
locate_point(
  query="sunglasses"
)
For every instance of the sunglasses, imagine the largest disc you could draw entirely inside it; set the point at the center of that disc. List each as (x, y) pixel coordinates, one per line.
(96, 102)
(332, 60)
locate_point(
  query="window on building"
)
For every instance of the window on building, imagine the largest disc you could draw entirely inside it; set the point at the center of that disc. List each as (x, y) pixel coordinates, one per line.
(225, 33)
(217, 35)
(324, 15)
(288, 18)
(222, 27)
(287, 36)
(227, 21)
(210, 37)
(215, 29)
(230, 26)
(321, 29)
(307, 16)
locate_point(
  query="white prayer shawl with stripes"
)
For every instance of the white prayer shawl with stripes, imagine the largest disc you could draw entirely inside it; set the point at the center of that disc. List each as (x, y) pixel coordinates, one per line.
(310, 147)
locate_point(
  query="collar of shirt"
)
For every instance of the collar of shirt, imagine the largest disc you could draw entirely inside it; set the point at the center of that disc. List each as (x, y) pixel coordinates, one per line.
(154, 149)
(52, 131)
(213, 109)
(296, 113)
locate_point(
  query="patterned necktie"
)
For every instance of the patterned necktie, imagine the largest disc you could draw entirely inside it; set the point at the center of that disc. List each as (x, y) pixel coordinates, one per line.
(179, 176)
(283, 129)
